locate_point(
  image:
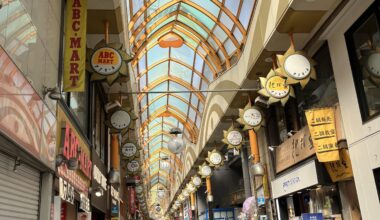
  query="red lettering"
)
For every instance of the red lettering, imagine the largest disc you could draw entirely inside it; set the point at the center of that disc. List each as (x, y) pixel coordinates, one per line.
(74, 80)
(101, 55)
(76, 13)
(73, 145)
(76, 25)
(74, 68)
(74, 56)
(76, 3)
(112, 55)
(66, 143)
(75, 42)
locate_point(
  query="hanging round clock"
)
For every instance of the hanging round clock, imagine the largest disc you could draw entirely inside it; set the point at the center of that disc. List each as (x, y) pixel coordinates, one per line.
(275, 88)
(233, 138)
(371, 65)
(251, 117)
(129, 150)
(197, 181)
(205, 170)
(139, 189)
(133, 166)
(296, 66)
(119, 119)
(107, 62)
(191, 187)
(215, 158)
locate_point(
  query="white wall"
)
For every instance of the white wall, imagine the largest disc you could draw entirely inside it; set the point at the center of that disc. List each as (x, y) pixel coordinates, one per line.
(363, 139)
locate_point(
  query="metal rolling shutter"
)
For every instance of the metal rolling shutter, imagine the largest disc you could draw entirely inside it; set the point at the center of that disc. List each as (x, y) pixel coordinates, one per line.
(19, 191)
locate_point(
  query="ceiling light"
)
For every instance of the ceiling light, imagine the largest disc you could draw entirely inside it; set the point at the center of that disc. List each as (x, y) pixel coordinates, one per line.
(257, 169)
(98, 192)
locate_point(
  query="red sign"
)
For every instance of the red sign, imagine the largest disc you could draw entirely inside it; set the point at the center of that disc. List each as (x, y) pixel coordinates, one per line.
(132, 200)
(63, 210)
(71, 148)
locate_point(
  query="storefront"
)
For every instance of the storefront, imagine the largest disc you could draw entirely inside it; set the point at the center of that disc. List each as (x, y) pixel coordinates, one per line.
(27, 139)
(99, 189)
(306, 190)
(354, 42)
(74, 171)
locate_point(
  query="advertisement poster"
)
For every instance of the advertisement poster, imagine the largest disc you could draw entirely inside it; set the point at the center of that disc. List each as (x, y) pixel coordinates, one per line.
(75, 46)
(321, 124)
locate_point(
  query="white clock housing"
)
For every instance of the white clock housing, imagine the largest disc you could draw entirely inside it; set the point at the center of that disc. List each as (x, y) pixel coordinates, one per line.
(297, 66)
(252, 117)
(234, 138)
(120, 119)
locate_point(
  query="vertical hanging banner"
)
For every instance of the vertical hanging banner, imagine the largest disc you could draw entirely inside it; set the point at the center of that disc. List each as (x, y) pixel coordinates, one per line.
(75, 46)
(321, 123)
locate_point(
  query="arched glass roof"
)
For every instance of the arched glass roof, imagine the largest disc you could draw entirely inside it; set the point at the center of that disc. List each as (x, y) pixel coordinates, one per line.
(213, 34)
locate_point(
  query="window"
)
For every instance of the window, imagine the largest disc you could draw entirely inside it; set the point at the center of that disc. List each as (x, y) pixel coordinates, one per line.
(320, 92)
(363, 44)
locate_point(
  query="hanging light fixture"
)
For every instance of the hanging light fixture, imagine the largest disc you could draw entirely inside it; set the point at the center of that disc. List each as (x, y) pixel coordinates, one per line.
(176, 144)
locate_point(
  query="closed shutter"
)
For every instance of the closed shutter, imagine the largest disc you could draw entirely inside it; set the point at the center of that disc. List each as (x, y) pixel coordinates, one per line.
(19, 190)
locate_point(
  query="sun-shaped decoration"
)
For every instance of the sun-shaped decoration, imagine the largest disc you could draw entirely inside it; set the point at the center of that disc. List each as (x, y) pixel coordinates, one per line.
(371, 64)
(120, 118)
(233, 138)
(205, 170)
(215, 158)
(130, 150)
(251, 117)
(107, 62)
(296, 66)
(276, 88)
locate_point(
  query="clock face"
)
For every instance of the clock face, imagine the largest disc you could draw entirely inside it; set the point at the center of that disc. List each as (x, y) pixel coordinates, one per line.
(206, 170)
(297, 66)
(197, 181)
(133, 166)
(106, 61)
(216, 158)
(252, 117)
(234, 138)
(276, 87)
(373, 64)
(139, 189)
(129, 150)
(120, 119)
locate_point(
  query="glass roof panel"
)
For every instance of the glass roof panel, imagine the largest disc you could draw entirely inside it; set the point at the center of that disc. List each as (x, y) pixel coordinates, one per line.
(233, 5)
(158, 71)
(184, 54)
(136, 5)
(162, 14)
(196, 81)
(158, 104)
(207, 50)
(193, 25)
(173, 101)
(155, 6)
(209, 6)
(158, 27)
(245, 13)
(186, 38)
(226, 21)
(161, 87)
(157, 53)
(180, 71)
(198, 15)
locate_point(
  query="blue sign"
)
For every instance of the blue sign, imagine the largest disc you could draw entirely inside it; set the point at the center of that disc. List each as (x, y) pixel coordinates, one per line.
(261, 200)
(114, 210)
(312, 216)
